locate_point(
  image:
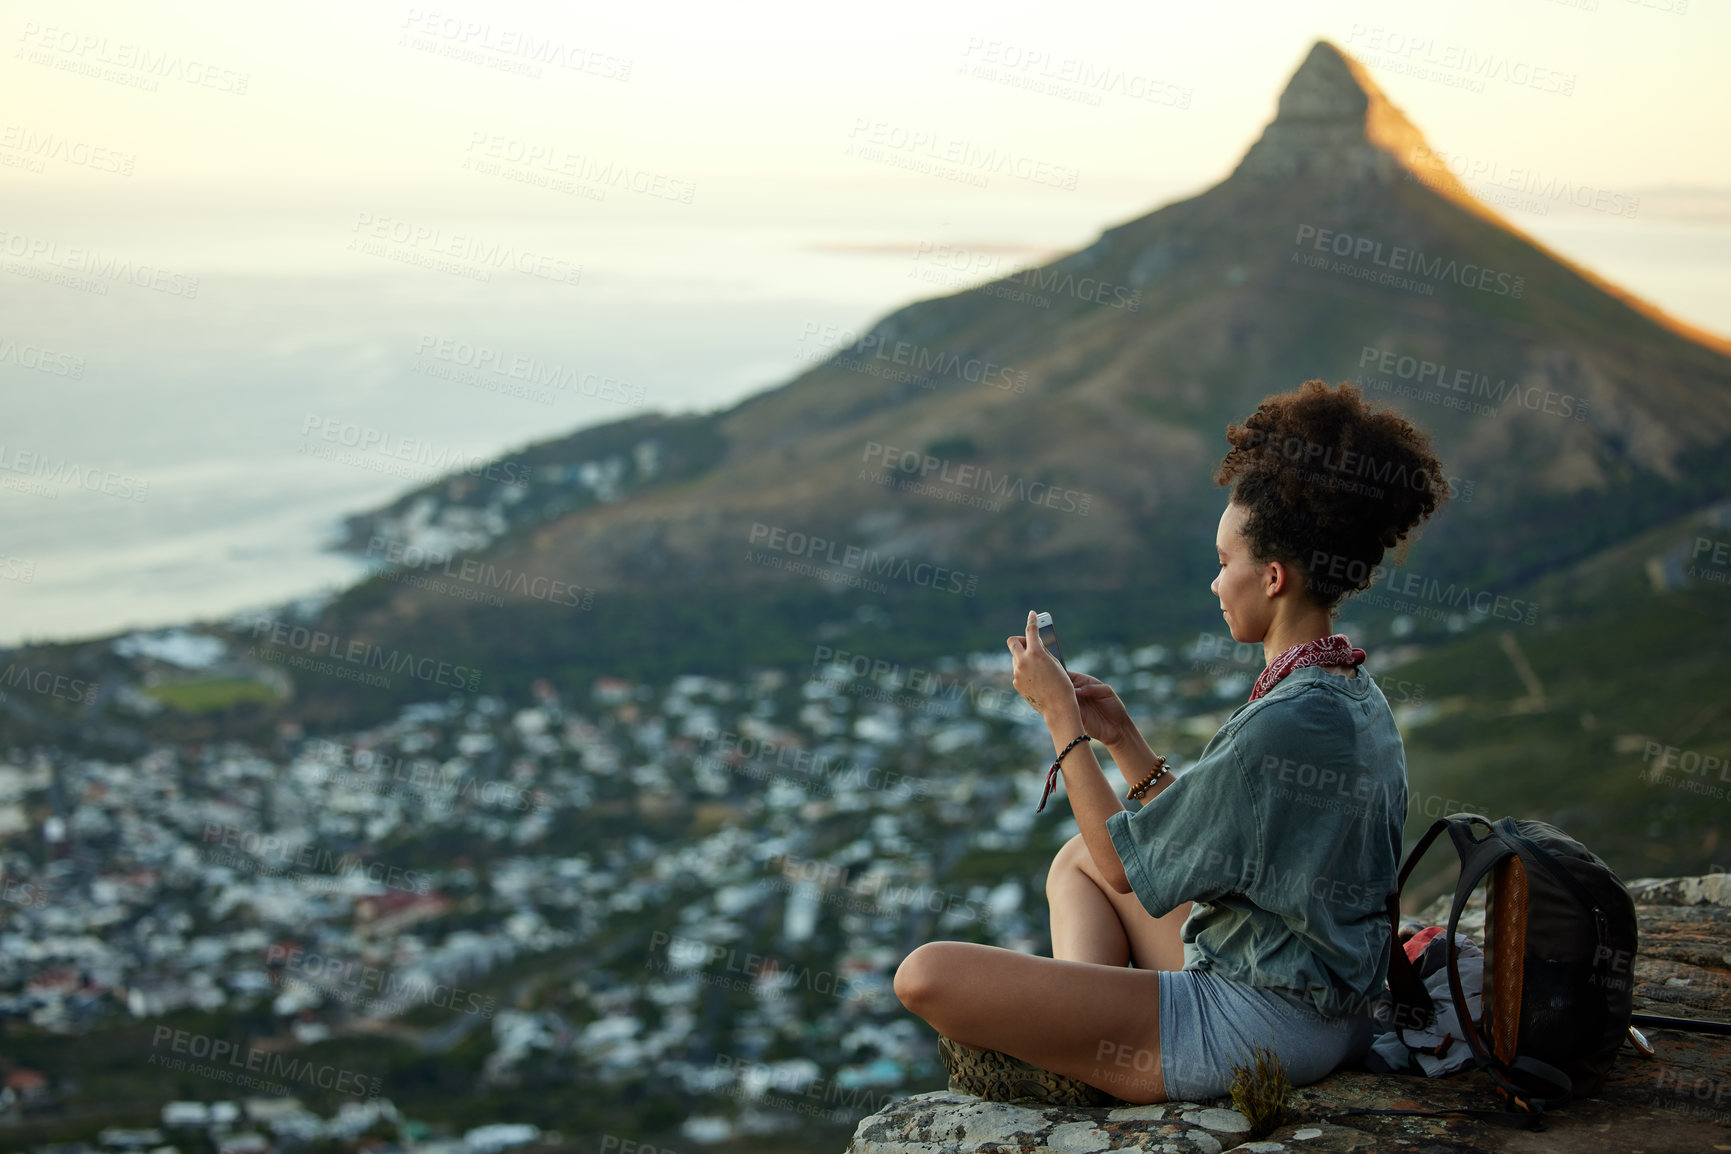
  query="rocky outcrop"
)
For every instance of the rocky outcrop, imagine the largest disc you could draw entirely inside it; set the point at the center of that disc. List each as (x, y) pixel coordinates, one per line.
(1334, 121)
(1678, 1100)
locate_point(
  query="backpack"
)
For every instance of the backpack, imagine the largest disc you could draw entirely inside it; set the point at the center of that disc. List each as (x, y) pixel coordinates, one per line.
(1560, 941)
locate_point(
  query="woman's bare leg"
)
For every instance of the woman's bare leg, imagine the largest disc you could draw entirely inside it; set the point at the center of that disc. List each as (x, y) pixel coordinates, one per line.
(1098, 1023)
(1092, 922)
(1082, 1012)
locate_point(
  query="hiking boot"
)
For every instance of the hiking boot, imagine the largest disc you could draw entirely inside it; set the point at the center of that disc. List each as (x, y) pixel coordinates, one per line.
(999, 1077)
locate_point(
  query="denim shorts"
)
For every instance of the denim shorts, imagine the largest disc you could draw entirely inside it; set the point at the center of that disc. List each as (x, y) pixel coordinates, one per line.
(1207, 1023)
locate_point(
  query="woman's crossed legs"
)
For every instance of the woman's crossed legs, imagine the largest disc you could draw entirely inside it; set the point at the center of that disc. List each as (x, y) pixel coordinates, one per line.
(1082, 1012)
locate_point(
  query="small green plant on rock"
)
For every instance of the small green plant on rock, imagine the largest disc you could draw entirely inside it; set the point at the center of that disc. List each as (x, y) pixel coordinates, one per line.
(1259, 1090)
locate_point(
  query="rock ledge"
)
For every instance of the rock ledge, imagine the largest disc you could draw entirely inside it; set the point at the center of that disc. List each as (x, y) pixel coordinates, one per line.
(1678, 1100)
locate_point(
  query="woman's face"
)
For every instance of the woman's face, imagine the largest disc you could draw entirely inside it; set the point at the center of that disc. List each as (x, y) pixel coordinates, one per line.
(1241, 583)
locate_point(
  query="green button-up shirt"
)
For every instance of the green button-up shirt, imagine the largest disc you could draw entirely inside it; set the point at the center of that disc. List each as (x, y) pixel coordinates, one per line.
(1286, 836)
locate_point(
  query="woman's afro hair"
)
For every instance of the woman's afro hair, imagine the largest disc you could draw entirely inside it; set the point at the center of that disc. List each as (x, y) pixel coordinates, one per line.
(1330, 485)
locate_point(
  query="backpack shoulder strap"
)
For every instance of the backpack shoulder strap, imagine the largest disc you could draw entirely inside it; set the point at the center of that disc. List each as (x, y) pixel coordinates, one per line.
(1412, 1002)
(1412, 1006)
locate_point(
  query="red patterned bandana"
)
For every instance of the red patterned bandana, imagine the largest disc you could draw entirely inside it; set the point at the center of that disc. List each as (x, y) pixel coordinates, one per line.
(1334, 649)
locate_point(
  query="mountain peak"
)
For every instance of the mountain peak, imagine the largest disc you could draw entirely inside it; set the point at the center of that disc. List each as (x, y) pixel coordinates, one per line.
(1327, 87)
(1334, 126)
(1333, 120)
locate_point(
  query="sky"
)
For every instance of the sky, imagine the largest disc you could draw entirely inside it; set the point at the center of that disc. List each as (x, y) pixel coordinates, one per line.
(750, 106)
(216, 139)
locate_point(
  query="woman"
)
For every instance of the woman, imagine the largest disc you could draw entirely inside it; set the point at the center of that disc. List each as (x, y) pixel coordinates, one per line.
(1244, 903)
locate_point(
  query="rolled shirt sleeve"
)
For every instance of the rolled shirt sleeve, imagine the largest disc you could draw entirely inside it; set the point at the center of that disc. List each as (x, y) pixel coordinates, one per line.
(1198, 840)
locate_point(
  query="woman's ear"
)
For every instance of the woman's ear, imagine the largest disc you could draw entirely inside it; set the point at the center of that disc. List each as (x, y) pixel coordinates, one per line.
(1275, 578)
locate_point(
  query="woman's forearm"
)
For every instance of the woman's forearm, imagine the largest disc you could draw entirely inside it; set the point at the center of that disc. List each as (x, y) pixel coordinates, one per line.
(1134, 757)
(1092, 800)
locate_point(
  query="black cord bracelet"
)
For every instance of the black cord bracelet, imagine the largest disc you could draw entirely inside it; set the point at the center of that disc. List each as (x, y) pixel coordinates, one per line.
(1052, 774)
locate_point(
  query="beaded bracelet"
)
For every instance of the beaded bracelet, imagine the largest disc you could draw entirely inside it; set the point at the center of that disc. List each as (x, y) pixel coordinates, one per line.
(1052, 774)
(1141, 787)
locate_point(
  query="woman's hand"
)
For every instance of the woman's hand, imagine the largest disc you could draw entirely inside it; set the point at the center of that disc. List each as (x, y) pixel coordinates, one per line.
(1041, 680)
(1103, 714)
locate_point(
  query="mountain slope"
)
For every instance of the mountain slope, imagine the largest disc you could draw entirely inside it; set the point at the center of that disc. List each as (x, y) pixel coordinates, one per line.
(1568, 412)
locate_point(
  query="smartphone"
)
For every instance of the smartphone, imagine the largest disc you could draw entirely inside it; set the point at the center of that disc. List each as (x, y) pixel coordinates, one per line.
(1049, 636)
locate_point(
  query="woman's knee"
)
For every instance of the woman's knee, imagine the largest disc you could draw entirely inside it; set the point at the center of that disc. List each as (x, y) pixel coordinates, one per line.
(922, 975)
(1071, 857)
